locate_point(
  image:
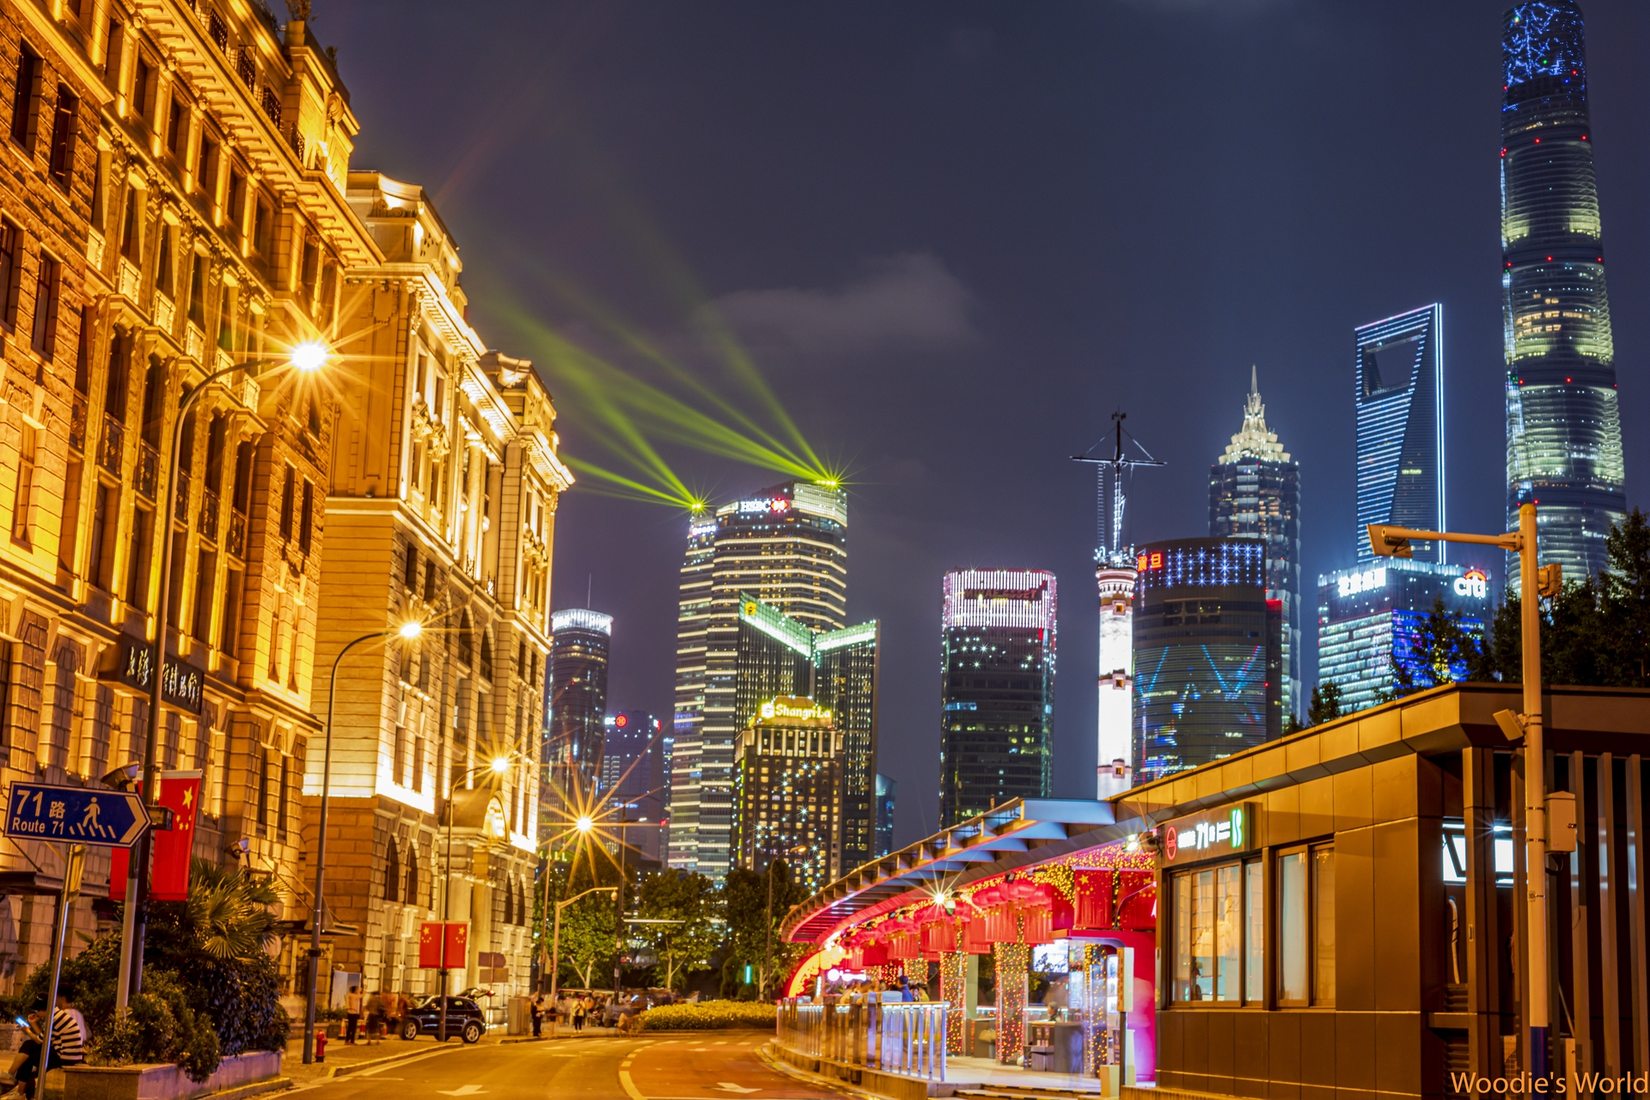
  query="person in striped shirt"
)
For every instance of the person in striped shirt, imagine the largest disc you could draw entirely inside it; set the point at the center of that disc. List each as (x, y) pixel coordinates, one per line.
(68, 1047)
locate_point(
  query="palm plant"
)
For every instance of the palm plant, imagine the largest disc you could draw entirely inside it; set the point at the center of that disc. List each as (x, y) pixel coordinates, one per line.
(233, 912)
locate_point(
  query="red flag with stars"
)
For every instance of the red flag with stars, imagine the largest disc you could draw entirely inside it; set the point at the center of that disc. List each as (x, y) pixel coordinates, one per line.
(429, 945)
(179, 792)
(433, 936)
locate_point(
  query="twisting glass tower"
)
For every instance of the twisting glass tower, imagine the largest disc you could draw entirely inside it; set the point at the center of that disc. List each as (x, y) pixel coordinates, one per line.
(1563, 420)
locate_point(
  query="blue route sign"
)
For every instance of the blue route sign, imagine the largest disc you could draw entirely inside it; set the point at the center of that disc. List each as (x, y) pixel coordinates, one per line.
(75, 815)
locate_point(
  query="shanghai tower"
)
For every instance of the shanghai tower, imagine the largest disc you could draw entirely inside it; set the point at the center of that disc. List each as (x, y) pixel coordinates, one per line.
(1563, 419)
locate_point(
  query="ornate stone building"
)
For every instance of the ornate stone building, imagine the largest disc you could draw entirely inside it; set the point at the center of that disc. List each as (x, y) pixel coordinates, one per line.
(171, 204)
(441, 509)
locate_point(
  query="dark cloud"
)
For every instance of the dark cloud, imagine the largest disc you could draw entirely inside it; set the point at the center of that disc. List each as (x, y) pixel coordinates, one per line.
(907, 303)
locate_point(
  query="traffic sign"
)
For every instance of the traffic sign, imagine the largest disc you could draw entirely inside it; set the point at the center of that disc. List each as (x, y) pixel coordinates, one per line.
(41, 811)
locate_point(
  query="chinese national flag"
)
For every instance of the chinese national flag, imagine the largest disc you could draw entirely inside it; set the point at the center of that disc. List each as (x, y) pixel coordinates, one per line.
(169, 870)
(432, 938)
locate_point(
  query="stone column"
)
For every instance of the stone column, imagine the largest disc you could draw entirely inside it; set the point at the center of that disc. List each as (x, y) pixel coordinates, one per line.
(1013, 972)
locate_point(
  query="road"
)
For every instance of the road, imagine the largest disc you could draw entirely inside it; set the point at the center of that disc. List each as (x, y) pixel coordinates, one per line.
(712, 1066)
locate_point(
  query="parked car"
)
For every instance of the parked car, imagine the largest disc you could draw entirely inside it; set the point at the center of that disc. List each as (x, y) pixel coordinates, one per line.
(464, 1019)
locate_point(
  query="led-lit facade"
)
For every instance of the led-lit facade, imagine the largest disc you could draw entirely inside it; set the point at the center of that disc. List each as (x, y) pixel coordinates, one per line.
(1255, 492)
(1368, 617)
(1207, 654)
(1398, 372)
(632, 781)
(997, 662)
(788, 789)
(580, 644)
(845, 680)
(1115, 762)
(1564, 448)
(887, 798)
(786, 547)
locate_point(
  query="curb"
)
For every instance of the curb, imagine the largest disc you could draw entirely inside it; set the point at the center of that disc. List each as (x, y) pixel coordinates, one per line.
(818, 1080)
(254, 1088)
(388, 1059)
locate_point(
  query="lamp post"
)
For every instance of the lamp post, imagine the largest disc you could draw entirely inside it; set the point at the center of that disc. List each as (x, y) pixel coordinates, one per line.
(1534, 581)
(408, 631)
(498, 765)
(555, 944)
(307, 358)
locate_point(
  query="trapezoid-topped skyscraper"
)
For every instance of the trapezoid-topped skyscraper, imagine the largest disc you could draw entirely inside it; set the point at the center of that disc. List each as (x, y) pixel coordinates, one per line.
(1563, 421)
(1399, 380)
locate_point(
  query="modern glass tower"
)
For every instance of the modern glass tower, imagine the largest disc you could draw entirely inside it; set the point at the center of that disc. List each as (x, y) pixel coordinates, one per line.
(786, 547)
(1255, 492)
(574, 733)
(997, 689)
(1563, 420)
(1207, 653)
(1399, 379)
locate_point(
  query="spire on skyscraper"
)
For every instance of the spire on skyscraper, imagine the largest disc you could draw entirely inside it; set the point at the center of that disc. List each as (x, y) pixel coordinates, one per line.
(1254, 440)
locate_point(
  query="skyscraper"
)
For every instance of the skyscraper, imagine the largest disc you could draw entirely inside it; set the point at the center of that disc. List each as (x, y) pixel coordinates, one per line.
(786, 547)
(845, 680)
(1207, 653)
(1255, 492)
(633, 778)
(573, 733)
(1369, 617)
(1398, 373)
(887, 796)
(788, 789)
(997, 688)
(1563, 420)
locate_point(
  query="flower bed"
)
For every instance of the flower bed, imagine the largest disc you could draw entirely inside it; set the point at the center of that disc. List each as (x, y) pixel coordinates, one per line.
(709, 1016)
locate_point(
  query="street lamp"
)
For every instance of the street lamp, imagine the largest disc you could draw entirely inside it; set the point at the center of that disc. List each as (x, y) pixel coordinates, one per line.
(497, 766)
(409, 631)
(306, 358)
(555, 938)
(1534, 581)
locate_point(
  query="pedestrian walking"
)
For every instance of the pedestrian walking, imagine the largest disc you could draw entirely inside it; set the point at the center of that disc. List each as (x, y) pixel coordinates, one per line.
(535, 1009)
(352, 1013)
(393, 1011)
(578, 1013)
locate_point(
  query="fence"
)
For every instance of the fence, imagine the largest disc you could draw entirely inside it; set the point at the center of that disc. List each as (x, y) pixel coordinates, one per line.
(902, 1038)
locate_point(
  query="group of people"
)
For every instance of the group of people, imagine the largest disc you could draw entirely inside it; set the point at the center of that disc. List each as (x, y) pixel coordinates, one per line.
(381, 1011)
(69, 1036)
(575, 1008)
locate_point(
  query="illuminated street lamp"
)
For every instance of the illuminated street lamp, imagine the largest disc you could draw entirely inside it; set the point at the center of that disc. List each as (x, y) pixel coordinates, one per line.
(408, 631)
(306, 358)
(1534, 581)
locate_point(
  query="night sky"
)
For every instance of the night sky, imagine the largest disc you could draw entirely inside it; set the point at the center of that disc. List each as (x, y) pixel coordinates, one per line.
(955, 236)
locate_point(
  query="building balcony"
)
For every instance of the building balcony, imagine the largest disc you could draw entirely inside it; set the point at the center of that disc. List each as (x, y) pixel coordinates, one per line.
(145, 474)
(180, 503)
(165, 313)
(113, 444)
(194, 342)
(236, 543)
(209, 515)
(94, 250)
(129, 280)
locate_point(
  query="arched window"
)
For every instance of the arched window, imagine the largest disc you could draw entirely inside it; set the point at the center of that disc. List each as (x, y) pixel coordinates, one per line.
(154, 402)
(410, 894)
(392, 872)
(486, 657)
(217, 435)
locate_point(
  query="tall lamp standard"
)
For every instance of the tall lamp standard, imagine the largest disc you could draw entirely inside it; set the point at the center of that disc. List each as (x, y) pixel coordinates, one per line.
(407, 631)
(497, 766)
(306, 358)
(1534, 580)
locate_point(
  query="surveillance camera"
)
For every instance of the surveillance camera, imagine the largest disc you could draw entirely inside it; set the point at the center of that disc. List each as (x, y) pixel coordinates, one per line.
(1512, 725)
(1387, 545)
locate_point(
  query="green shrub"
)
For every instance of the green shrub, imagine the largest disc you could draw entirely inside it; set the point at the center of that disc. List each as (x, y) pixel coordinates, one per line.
(160, 1026)
(709, 1016)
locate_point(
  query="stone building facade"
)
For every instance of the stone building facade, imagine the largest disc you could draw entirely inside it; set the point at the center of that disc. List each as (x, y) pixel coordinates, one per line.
(171, 204)
(442, 509)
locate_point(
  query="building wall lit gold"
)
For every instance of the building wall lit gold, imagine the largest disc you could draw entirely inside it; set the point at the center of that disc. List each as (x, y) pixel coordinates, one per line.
(171, 206)
(442, 509)
(788, 791)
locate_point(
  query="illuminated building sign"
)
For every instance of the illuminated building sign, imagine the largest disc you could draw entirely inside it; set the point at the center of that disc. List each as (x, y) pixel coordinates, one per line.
(1145, 562)
(1207, 835)
(1370, 580)
(1474, 583)
(763, 505)
(790, 708)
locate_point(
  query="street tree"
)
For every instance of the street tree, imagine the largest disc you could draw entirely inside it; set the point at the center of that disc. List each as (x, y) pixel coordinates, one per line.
(1325, 705)
(756, 903)
(691, 903)
(1442, 650)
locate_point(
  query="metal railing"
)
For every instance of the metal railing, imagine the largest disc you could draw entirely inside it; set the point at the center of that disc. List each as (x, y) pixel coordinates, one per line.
(904, 1038)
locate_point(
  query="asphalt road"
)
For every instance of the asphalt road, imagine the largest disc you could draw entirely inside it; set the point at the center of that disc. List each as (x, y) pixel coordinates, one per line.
(675, 1067)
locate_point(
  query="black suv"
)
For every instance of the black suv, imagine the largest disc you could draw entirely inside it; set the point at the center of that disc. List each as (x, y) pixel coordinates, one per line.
(464, 1019)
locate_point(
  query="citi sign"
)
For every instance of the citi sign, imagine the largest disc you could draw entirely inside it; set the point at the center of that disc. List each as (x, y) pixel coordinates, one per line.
(1474, 583)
